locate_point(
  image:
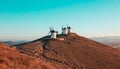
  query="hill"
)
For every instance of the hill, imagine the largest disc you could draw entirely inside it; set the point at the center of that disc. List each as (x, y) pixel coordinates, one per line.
(113, 41)
(109, 40)
(11, 43)
(74, 52)
(10, 58)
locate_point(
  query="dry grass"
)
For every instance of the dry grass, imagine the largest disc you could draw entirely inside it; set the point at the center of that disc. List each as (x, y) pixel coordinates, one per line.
(10, 58)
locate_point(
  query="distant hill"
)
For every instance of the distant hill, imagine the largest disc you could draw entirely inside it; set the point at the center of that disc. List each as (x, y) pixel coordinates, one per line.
(11, 43)
(74, 52)
(10, 58)
(111, 40)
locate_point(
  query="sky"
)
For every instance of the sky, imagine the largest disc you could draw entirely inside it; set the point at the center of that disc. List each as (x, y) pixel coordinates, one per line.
(31, 19)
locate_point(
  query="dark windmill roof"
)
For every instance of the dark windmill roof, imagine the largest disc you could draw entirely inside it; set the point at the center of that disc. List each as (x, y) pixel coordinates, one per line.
(64, 28)
(69, 27)
(53, 31)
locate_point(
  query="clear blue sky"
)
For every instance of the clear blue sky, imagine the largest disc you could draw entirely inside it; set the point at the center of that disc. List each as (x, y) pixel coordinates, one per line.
(30, 19)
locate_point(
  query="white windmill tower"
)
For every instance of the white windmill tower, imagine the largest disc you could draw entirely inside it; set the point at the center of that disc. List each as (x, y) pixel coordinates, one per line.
(64, 30)
(53, 33)
(69, 29)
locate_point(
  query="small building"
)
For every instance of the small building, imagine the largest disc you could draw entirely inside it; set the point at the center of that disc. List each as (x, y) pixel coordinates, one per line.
(64, 31)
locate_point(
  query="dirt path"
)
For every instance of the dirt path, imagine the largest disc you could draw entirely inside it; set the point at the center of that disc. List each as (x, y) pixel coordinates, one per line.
(54, 59)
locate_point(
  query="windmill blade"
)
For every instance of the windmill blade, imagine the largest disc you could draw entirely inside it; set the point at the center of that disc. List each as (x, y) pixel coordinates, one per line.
(62, 27)
(52, 28)
(48, 32)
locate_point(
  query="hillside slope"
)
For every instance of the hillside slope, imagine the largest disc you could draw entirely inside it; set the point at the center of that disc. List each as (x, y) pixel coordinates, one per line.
(10, 58)
(75, 52)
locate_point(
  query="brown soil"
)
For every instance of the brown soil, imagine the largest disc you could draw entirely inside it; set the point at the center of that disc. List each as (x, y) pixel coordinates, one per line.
(10, 58)
(75, 52)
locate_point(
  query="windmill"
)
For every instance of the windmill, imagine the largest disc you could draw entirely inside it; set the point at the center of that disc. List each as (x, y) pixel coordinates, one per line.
(52, 33)
(64, 30)
(69, 29)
